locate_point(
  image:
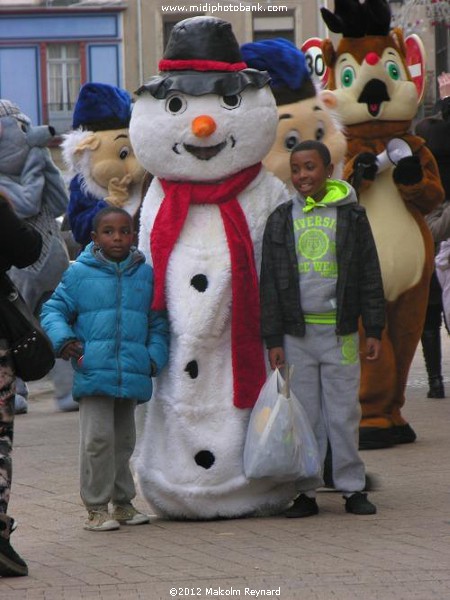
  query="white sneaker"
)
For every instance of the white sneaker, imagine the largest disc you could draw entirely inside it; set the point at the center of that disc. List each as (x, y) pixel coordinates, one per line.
(126, 514)
(100, 520)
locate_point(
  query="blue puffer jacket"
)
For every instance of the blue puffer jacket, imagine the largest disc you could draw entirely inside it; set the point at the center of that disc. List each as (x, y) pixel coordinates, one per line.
(106, 306)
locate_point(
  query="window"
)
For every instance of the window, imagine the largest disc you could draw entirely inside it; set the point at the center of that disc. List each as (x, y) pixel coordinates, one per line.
(274, 26)
(63, 84)
(63, 64)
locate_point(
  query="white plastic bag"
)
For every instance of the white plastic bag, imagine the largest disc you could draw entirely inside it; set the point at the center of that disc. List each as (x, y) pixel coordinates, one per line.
(280, 442)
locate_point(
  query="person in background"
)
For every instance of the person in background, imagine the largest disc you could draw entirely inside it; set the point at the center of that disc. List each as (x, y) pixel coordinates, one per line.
(100, 318)
(320, 273)
(436, 132)
(20, 246)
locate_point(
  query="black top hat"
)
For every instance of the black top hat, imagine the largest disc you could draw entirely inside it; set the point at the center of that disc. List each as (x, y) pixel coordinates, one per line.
(203, 57)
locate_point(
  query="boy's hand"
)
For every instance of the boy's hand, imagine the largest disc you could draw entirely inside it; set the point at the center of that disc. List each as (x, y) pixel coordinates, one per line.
(276, 358)
(72, 350)
(373, 347)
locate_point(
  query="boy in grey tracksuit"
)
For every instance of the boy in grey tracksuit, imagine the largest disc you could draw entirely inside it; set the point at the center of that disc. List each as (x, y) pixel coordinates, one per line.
(320, 273)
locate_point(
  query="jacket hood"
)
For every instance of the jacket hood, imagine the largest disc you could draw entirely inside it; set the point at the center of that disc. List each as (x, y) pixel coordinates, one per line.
(338, 193)
(93, 256)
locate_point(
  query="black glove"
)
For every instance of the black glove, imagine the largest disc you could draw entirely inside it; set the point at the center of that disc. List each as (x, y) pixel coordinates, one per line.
(366, 165)
(408, 171)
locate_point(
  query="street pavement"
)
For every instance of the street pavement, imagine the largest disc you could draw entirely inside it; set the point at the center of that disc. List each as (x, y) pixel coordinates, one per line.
(402, 553)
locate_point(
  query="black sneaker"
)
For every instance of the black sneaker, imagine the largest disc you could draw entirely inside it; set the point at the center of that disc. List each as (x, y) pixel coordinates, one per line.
(357, 504)
(303, 507)
(11, 565)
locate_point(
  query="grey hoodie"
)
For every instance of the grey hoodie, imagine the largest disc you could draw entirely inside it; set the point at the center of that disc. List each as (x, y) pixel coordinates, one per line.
(315, 244)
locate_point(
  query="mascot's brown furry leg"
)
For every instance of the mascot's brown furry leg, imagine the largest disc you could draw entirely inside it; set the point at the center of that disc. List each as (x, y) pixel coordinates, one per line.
(376, 394)
(406, 318)
(382, 390)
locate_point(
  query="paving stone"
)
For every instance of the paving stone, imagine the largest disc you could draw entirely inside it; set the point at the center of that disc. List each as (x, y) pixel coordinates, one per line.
(402, 553)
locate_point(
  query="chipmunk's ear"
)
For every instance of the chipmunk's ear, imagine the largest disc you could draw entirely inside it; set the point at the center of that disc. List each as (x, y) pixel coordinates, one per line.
(399, 40)
(329, 53)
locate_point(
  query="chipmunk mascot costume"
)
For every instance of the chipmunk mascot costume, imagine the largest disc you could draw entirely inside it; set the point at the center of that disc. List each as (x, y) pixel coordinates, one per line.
(101, 164)
(372, 90)
(202, 127)
(302, 115)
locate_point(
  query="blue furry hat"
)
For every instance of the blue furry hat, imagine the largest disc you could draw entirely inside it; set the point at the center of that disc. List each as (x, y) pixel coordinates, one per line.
(286, 65)
(101, 107)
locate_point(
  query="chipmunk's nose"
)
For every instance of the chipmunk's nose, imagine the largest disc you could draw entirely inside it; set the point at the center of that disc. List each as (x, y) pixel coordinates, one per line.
(372, 58)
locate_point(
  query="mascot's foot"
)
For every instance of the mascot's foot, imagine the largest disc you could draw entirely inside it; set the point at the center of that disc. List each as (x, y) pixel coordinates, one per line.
(403, 434)
(375, 438)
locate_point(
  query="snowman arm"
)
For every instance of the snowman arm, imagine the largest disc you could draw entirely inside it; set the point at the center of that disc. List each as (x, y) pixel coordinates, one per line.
(158, 339)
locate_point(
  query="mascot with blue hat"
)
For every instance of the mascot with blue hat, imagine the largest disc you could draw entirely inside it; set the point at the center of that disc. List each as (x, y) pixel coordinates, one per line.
(302, 115)
(99, 157)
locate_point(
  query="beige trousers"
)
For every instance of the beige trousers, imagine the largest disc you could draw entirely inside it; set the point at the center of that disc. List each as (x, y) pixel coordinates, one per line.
(107, 441)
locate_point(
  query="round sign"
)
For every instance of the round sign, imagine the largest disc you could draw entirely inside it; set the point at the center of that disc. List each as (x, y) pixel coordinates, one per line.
(314, 60)
(416, 61)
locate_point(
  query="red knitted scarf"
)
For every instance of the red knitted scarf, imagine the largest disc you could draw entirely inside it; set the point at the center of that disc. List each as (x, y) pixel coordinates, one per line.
(247, 353)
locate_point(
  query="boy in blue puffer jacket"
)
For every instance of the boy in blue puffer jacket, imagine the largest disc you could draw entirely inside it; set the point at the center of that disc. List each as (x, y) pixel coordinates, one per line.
(99, 317)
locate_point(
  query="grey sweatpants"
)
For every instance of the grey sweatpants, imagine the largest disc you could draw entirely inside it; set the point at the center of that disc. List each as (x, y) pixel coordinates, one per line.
(326, 381)
(107, 440)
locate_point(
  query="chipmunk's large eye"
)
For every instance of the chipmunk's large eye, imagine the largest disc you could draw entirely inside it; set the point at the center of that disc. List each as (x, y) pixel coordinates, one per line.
(392, 70)
(348, 76)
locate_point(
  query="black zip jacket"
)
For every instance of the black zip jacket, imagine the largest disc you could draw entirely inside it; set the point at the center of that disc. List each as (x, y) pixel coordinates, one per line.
(359, 288)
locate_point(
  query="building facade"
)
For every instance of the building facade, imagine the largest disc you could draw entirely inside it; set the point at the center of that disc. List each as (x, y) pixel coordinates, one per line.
(49, 48)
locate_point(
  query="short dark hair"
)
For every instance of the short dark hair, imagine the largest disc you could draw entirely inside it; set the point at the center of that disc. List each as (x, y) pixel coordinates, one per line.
(314, 145)
(107, 210)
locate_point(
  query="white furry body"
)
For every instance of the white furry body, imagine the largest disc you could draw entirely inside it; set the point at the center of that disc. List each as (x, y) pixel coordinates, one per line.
(188, 415)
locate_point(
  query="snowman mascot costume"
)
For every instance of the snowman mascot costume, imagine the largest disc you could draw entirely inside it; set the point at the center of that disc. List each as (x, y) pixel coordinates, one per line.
(202, 127)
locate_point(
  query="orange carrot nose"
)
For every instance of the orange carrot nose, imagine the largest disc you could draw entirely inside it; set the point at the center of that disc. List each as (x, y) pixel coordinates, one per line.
(203, 126)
